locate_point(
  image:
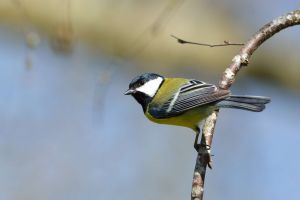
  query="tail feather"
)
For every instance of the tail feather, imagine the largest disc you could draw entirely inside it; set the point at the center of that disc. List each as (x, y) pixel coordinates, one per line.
(249, 99)
(251, 103)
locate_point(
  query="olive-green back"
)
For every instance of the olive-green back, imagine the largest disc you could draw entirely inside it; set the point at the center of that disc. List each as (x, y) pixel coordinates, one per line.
(169, 87)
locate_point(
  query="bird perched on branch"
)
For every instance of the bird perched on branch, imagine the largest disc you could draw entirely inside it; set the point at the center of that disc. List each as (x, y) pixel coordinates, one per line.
(186, 102)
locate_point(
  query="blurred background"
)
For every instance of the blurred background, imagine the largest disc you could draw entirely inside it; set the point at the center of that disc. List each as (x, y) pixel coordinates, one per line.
(67, 132)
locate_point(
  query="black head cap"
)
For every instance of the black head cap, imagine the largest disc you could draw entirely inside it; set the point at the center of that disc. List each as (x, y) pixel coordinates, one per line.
(137, 82)
(142, 79)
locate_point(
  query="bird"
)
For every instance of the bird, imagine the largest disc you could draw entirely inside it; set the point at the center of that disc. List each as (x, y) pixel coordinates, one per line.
(186, 102)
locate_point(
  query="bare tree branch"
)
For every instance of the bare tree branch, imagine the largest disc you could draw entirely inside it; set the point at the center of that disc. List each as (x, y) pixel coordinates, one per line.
(225, 43)
(240, 60)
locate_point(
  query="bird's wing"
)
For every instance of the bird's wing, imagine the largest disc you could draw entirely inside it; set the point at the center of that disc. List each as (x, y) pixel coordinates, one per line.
(192, 94)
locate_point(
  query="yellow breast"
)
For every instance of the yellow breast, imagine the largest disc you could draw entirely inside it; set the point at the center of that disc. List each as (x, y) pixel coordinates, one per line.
(189, 119)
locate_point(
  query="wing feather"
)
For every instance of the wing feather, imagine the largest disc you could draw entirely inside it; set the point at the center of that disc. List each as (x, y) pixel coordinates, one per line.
(190, 95)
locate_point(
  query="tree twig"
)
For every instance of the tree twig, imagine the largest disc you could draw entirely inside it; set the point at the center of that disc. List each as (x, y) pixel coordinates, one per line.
(240, 60)
(225, 43)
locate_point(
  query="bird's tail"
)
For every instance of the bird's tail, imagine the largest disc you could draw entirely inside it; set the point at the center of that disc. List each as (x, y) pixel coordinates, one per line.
(251, 103)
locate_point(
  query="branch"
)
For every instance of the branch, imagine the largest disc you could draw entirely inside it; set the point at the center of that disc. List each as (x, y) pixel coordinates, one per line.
(226, 43)
(240, 60)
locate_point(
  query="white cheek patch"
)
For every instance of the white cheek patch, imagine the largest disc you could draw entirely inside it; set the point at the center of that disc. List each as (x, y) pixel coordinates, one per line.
(150, 88)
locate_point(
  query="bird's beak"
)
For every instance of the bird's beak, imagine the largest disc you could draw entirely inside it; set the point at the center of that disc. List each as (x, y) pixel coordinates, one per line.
(129, 92)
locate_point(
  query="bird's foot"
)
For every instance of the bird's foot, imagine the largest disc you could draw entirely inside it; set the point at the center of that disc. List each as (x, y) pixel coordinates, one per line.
(204, 149)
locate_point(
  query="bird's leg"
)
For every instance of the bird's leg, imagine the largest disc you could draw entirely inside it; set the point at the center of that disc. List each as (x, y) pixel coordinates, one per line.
(202, 146)
(196, 145)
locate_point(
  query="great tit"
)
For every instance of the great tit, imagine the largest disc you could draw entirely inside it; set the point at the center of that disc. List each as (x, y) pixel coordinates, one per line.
(186, 102)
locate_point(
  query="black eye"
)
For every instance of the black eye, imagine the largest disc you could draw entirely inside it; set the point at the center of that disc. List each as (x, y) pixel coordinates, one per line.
(141, 82)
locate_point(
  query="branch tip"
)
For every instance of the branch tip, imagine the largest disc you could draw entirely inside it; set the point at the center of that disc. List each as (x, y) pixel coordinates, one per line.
(225, 43)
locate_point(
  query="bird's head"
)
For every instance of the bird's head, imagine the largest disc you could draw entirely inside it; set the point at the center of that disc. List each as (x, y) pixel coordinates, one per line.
(144, 87)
